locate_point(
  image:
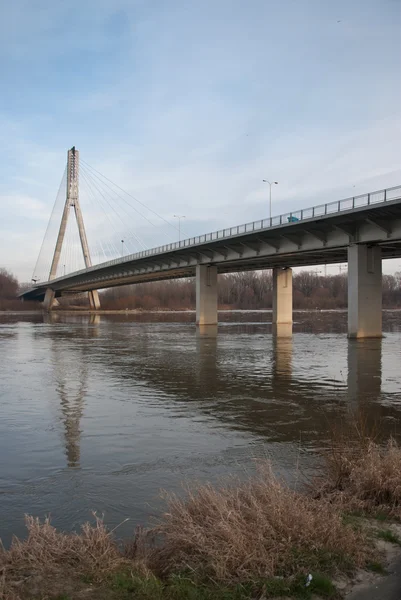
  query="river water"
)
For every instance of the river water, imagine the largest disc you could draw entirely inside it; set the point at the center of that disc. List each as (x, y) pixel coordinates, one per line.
(100, 413)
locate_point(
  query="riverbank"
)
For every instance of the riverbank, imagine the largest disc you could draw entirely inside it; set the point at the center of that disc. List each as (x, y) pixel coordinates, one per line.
(244, 540)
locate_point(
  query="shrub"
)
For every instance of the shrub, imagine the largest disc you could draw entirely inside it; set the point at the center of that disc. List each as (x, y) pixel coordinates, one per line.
(364, 477)
(255, 529)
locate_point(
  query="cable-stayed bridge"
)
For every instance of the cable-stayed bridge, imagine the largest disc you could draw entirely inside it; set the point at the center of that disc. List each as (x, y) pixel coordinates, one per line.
(361, 230)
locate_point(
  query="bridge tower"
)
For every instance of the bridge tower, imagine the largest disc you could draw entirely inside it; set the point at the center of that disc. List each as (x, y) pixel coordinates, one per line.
(72, 201)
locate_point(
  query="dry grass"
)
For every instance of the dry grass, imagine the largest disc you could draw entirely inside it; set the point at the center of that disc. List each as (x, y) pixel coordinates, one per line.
(239, 533)
(251, 530)
(93, 551)
(365, 477)
(362, 471)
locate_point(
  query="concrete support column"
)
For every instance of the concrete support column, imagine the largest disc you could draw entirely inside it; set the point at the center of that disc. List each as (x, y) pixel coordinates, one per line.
(364, 291)
(206, 295)
(282, 297)
(94, 300)
(49, 299)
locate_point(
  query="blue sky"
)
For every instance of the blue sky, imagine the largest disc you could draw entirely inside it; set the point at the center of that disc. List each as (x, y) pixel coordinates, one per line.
(189, 105)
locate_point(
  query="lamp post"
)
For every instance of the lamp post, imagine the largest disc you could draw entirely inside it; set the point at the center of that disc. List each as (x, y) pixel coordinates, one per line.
(122, 248)
(270, 194)
(179, 217)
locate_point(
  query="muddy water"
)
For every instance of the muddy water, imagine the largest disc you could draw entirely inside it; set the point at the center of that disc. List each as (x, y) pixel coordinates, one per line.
(100, 413)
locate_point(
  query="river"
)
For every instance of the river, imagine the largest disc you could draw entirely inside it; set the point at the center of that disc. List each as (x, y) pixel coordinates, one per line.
(100, 413)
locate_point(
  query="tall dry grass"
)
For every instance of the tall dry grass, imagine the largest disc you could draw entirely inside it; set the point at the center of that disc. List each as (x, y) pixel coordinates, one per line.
(251, 530)
(92, 551)
(364, 476)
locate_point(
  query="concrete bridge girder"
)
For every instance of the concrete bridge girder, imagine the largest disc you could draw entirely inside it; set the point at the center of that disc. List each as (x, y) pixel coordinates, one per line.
(311, 242)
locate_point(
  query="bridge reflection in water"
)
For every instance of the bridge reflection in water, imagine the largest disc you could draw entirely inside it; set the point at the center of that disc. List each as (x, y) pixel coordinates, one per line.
(364, 371)
(257, 386)
(70, 370)
(360, 388)
(364, 361)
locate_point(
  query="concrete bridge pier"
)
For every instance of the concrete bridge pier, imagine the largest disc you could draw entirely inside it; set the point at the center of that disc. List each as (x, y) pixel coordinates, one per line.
(49, 299)
(282, 302)
(206, 295)
(364, 291)
(94, 301)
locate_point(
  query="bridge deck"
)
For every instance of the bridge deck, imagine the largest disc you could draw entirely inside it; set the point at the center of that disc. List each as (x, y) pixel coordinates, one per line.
(312, 236)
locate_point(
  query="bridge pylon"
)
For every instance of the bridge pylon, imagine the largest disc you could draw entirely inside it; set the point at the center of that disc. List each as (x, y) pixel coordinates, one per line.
(71, 201)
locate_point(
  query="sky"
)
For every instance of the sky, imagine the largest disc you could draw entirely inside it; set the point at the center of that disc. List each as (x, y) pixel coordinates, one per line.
(190, 105)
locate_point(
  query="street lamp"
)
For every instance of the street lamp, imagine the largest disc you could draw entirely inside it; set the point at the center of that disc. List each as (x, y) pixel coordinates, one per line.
(122, 248)
(179, 217)
(270, 194)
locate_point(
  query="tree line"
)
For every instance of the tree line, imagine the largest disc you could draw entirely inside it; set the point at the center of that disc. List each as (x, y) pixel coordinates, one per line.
(9, 290)
(250, 290)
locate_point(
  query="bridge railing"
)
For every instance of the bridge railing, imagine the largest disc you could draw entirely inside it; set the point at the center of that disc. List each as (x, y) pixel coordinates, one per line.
(321, 210)
(330, 208)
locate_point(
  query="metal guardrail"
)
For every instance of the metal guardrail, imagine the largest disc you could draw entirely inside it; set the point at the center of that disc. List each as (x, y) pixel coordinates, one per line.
(290, 218)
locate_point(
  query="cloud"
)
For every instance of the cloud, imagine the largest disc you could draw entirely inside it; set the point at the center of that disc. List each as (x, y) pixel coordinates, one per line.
(189, 106)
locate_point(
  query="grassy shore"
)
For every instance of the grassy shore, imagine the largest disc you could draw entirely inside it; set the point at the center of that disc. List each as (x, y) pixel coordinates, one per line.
(244, 540)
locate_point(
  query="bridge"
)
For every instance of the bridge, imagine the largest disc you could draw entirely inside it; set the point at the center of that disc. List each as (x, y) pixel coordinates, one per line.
(362, 230)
